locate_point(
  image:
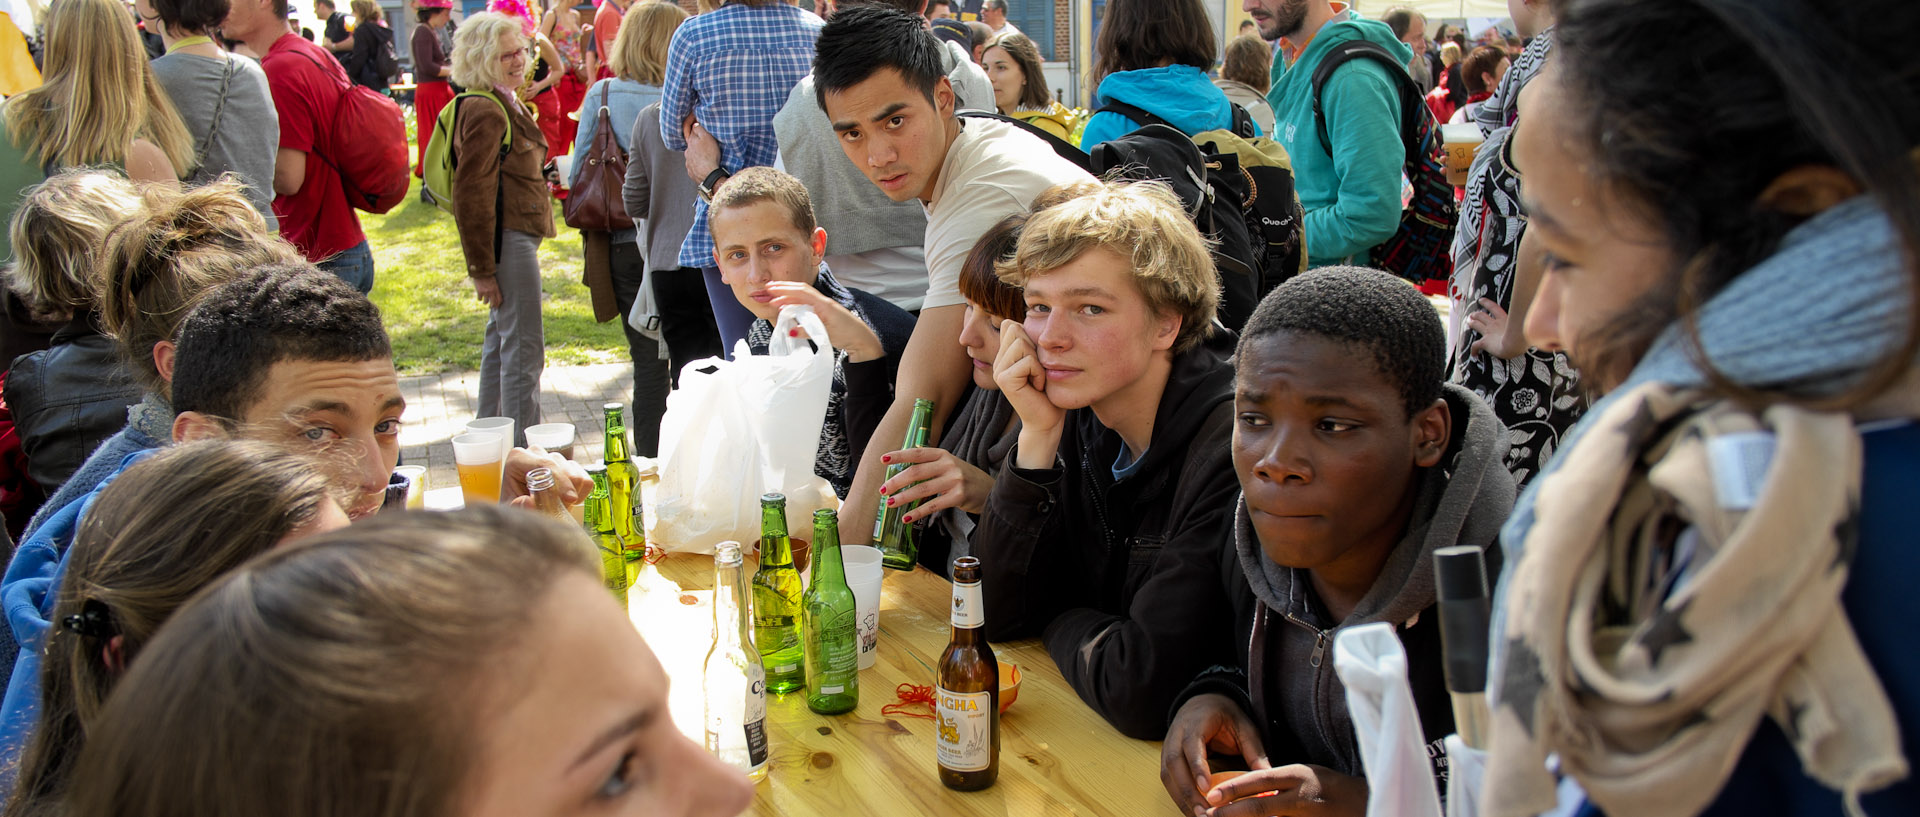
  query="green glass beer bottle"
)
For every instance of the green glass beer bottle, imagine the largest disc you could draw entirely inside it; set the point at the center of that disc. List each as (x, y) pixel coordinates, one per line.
(833, 647)
(598, 521)
(776, 601)
(893, 537)
(624, 484)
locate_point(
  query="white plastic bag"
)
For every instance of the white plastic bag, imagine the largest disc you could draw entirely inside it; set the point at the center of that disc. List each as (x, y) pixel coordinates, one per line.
(1373, 666)
(737, 429)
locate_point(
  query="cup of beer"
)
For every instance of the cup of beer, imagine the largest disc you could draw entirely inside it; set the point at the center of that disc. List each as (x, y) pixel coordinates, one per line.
(554, 437)
(481, 464)
(1461, 141)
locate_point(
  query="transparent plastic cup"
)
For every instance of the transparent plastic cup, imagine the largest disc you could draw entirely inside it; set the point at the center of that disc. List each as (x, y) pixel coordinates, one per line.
(554, 437)
(481, 464)
(502, 426)
(864, 578)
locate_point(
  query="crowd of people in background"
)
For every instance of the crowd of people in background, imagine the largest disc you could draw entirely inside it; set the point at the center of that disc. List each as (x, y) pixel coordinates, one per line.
(1691, 470)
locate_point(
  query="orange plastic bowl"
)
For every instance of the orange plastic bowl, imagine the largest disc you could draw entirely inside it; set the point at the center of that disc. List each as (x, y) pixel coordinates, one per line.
(1009, 684)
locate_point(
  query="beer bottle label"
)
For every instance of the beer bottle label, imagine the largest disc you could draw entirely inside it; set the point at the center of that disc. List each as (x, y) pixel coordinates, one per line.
(840, 654)
(964, 726)
(967, 612)
(756, 718)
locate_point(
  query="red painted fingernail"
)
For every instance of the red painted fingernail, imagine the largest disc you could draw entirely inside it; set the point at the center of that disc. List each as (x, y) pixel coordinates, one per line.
(889, 502)
(793, 333)
(907, 518)
(885, 458)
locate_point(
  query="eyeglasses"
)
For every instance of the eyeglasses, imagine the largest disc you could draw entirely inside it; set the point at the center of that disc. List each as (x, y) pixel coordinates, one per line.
(524, 54)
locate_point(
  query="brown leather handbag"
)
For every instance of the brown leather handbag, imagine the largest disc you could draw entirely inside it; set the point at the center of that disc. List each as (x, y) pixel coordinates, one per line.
(594, 203)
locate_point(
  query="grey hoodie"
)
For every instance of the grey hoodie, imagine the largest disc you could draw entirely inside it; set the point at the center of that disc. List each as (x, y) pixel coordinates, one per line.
(1285, 680)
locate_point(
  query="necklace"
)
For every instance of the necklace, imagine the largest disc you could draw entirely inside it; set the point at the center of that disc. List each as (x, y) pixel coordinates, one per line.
(190, 42)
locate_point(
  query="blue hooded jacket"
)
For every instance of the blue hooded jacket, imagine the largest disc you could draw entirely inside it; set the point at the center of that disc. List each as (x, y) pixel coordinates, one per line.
(28, 594)
(1180, 94)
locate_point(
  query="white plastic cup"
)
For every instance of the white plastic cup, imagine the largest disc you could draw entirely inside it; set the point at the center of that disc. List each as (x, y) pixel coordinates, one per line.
(502, 426)
(864, 577)
(554, 437)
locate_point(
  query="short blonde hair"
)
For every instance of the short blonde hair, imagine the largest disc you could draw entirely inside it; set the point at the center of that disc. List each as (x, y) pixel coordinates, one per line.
(639, 51)
(477, 51)
(56, 233)
(366, 11)
(1142, 222)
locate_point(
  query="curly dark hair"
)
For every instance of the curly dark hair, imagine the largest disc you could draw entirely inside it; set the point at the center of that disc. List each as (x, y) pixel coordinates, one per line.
(275, 313)
(1382, 316)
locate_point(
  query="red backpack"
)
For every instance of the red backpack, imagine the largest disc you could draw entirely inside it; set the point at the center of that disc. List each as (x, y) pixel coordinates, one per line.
(367, 144)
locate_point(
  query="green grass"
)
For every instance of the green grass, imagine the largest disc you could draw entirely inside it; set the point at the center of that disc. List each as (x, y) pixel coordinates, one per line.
(435, 323)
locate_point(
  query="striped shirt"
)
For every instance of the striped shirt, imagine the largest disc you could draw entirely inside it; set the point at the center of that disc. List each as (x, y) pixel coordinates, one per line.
(732, 68)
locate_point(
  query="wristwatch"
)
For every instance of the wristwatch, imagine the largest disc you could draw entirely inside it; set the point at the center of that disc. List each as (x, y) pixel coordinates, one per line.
(712, 182)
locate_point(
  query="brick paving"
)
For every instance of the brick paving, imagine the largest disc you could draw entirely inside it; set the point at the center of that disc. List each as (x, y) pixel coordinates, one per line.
(440, 406)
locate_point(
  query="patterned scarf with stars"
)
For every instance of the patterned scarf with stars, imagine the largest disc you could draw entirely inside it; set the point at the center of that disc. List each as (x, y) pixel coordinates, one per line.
(1682, 581)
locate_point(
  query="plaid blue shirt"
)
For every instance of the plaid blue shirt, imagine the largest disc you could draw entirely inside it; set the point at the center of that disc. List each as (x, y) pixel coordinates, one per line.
(733, 68)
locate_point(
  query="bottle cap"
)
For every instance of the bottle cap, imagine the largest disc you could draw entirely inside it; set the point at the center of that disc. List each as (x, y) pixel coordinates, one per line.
(728, 553)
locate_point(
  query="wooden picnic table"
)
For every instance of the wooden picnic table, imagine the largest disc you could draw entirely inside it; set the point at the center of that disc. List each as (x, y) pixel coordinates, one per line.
(1056, 755)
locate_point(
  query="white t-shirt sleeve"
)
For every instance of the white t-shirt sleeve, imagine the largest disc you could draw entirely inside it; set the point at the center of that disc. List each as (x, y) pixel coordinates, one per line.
(953, 231)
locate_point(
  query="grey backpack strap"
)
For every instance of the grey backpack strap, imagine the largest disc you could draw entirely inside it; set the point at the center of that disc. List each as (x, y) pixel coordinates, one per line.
(219, 107)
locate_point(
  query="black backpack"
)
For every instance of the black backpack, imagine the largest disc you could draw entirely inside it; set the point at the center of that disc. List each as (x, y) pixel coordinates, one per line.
(1268, 202)
(1422, 249)
(1212, 187)
(385, 63)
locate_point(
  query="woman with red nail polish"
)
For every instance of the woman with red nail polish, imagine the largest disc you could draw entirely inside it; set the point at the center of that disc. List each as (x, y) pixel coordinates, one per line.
(952, 480)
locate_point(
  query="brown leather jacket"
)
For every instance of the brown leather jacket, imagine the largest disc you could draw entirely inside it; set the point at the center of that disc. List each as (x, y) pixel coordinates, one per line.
(482, 175)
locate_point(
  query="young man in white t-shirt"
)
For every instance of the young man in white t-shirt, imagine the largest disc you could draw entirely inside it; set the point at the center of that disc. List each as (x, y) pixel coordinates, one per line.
(880, 80)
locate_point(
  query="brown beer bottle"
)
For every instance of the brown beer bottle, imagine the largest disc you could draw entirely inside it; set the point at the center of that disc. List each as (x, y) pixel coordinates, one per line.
(967, 723)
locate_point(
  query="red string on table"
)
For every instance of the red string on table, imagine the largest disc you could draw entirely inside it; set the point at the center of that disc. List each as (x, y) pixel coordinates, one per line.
(911, 695)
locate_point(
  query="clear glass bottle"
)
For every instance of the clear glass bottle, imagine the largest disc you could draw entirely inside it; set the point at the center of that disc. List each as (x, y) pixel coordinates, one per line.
(735, 683)
(831, 624)
(776, 601)
(545, 498)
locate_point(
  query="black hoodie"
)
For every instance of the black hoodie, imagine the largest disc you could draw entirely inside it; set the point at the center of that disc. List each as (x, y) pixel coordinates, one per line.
(1122, 576)
(1285, 635)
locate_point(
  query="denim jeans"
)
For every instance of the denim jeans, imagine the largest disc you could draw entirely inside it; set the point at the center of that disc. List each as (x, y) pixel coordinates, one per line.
(354, 265)
(732, 319)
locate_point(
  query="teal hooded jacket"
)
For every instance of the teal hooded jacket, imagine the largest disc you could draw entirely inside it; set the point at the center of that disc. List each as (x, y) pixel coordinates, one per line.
(1351, 189)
